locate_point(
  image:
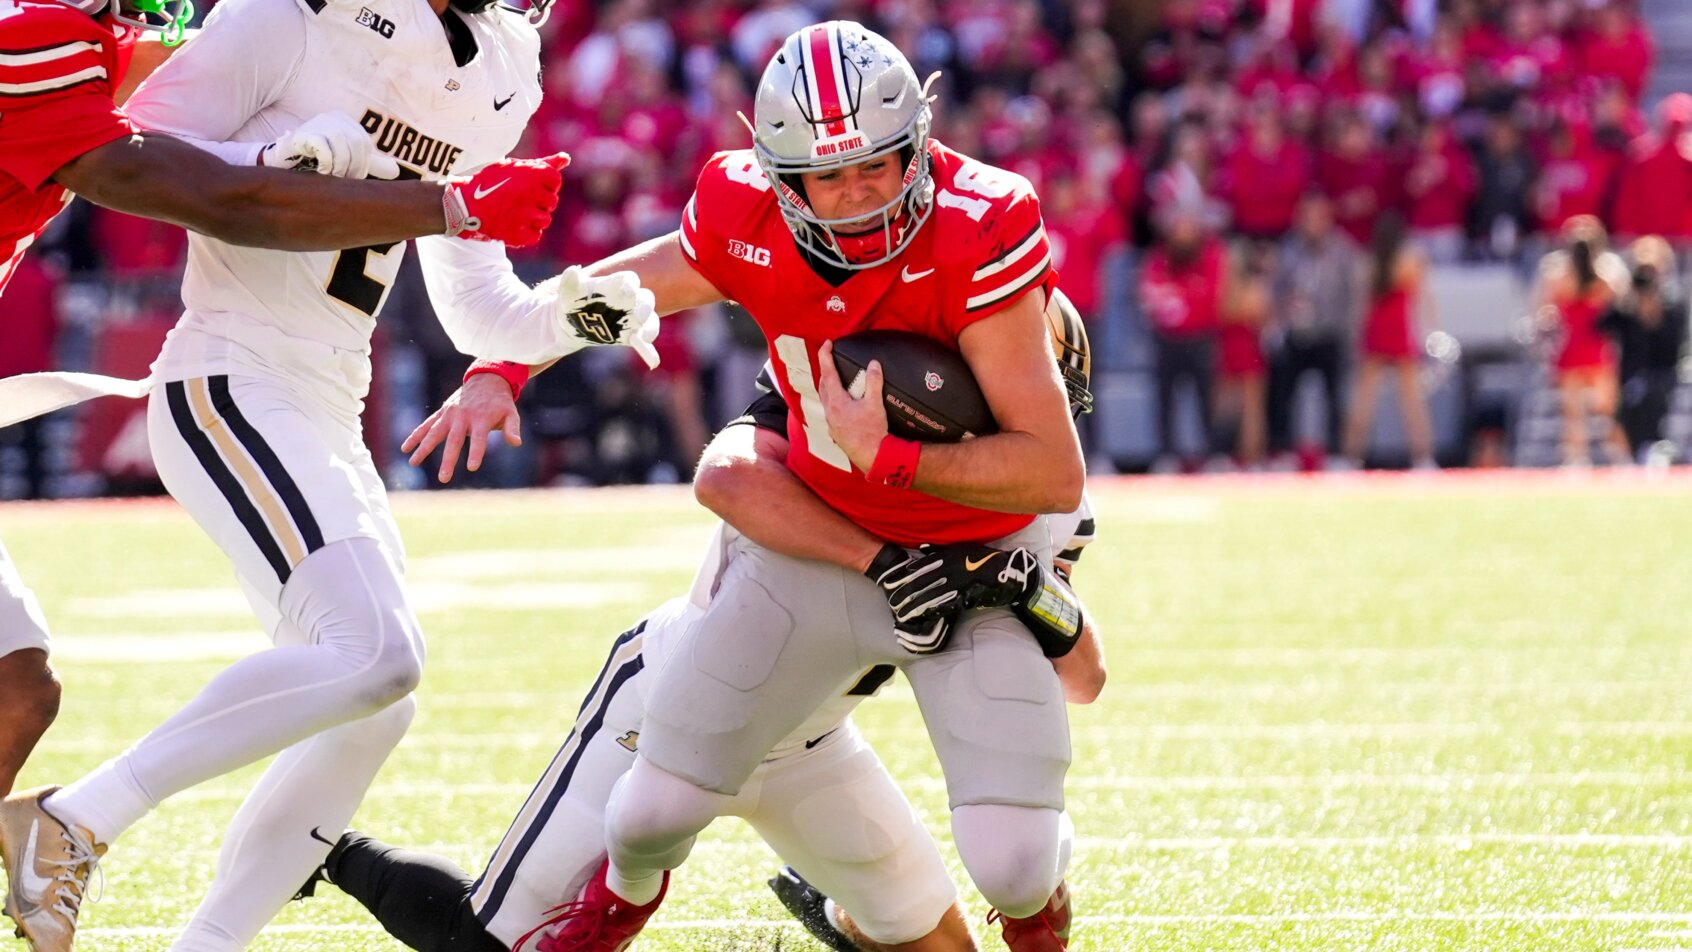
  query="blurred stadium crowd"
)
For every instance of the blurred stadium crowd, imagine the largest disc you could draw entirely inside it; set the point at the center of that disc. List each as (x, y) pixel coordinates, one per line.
(1267, 210)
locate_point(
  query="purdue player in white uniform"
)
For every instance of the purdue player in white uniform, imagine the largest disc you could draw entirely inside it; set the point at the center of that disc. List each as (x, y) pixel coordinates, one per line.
(822, 799)
(253, 421)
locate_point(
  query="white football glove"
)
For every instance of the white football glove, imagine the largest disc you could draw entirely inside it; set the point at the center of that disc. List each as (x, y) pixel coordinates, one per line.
(606, 309)
(330, 143)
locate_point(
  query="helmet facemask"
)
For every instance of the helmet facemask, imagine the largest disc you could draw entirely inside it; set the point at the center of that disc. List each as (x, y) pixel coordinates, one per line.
(169, 17)
(869, 105)
(825, 239)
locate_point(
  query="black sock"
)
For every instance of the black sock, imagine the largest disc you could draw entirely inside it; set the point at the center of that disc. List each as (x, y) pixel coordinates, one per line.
(422, 900)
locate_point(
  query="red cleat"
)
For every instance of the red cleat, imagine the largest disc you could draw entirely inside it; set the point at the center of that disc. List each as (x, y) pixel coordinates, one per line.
(1044, 931)
(600, 921)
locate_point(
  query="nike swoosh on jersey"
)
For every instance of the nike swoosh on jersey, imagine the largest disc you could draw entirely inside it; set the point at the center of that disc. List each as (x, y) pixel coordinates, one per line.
(971, 565)
(502, 103)
(32, 886)
(482, 191)
(908, 275)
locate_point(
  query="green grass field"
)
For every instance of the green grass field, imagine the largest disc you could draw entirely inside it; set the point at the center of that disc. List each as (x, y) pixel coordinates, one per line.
(1440, 713)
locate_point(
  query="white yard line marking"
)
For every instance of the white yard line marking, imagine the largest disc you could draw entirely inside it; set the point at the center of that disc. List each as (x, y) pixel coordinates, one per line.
(1524, 917)
(1459, 841)
(1184, 784)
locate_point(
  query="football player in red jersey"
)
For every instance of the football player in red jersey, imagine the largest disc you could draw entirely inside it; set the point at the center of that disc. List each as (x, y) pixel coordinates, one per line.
(846, 216)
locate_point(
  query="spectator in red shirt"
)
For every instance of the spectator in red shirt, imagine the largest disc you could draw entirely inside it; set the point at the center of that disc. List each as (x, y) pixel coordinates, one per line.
(1265, 175)
(1180, 297)
(1618, 46)
(1438, 72)
(1530, 56)
(1655, 188)
(1084, 229)
(1438, 185)
(1292, 20)
(1269, 68)
(1112, 166)
(1379, 87)
(1575, 176)
(1357, 175)
(1187, 181)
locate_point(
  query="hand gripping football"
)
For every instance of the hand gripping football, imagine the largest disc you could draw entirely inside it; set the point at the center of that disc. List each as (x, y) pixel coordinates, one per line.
(931, 395)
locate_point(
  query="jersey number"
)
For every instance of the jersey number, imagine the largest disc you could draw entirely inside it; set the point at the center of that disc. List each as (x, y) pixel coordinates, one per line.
(976, 179)
(797, 359)
(747, 172)
(350, 281)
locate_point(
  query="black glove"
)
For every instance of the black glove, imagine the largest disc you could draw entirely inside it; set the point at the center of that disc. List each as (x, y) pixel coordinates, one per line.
(917, 632)
(947, 579)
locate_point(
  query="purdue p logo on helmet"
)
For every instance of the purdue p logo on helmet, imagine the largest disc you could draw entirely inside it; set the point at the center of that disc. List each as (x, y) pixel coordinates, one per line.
(836, 94)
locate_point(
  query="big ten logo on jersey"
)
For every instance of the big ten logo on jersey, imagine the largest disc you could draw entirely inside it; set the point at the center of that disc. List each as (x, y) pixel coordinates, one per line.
(408, 146)
(377, 22)
(753, 253)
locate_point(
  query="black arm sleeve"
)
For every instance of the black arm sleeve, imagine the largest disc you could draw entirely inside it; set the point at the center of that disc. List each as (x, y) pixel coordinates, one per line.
(768, 412)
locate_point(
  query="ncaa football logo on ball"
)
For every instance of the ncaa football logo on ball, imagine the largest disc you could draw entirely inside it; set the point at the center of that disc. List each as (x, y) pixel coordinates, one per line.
(933, 381)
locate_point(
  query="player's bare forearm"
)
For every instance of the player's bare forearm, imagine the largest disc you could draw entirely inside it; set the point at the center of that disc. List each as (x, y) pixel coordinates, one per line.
(1032, 465)
(1004, 472)
(664, 270)
(1082, 671)
(159, 177)
(744, 479)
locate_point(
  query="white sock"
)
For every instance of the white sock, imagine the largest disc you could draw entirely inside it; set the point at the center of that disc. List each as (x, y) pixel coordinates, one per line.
(270, 851)
(639, 889)
(363, 654)
(106, 802)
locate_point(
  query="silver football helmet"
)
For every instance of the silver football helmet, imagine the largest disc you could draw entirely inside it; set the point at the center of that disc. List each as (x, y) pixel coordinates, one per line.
(837, 94)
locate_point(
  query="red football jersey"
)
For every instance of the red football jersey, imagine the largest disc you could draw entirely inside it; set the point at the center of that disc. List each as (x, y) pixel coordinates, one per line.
(980, 251)
(58, 67)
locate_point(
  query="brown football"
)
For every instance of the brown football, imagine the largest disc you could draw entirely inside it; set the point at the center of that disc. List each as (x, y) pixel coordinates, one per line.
(930, 393)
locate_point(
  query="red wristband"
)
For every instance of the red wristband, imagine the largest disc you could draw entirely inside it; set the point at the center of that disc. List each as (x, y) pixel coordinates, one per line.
(895, 462)
(514, 374)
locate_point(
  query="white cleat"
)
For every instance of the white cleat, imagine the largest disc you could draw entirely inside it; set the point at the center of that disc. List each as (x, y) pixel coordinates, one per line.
(47, 869)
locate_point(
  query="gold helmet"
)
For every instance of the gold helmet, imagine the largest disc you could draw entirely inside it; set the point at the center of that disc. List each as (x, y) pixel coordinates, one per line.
(1074, 353)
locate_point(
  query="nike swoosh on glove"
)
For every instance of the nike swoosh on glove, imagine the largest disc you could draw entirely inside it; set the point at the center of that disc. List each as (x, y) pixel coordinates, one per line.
(330, 143)
(511, 201)
(606, 309)
(960, 576)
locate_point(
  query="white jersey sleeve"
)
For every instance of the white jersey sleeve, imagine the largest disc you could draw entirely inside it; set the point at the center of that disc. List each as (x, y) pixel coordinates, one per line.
(224, 76)
(486, 310)
(1073, 532)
